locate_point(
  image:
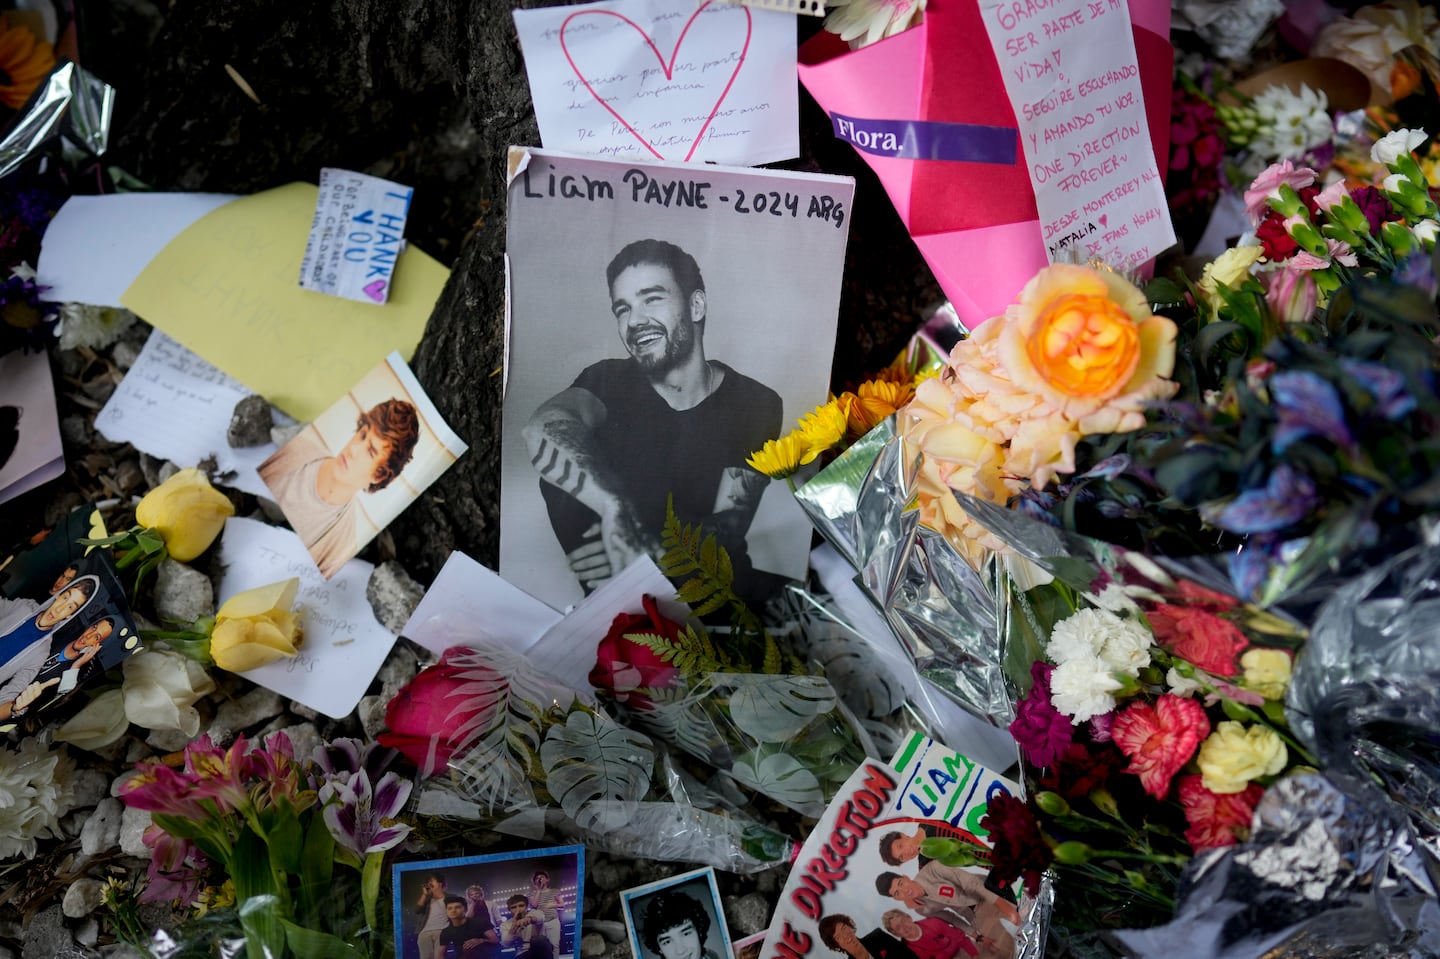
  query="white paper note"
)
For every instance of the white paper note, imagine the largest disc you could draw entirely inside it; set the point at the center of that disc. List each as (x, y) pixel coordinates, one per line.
(30, 450)
(567, 651)
(663, 80)
(469, 603)
(174, 405)
(1070, 69)
(344, 645)
(96, 245)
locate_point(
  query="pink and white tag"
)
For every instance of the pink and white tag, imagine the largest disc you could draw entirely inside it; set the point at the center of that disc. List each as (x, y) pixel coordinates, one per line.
(1070, 70)
(356, 237)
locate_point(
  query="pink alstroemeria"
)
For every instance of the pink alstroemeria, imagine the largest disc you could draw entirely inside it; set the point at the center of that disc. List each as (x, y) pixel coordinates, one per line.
(1267, 185)
(1160, 739)
(176, 873)
(219, 774)
(362, 819)
(157, 788)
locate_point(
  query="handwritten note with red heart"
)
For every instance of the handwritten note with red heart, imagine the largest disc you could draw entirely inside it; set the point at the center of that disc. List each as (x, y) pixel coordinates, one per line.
(663, 79)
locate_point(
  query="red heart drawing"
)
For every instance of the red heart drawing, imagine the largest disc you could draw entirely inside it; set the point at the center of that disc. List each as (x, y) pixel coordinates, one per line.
(668, 68)
(1104, 219)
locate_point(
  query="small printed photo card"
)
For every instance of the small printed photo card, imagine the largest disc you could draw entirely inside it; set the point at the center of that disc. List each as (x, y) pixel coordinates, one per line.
(521, 905)
(356, 467)
(749, 947)
(912, 859)
(664, 80)
(357, 236)
(677, 918)
(695, 319)
(30, 451)
(64, 624)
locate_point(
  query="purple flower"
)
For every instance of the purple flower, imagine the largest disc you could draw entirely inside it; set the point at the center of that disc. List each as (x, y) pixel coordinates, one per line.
(362, 819)
(1287, 498)
(1373, 204)
(1383, 383)
(1308, 406)
(1042, 731)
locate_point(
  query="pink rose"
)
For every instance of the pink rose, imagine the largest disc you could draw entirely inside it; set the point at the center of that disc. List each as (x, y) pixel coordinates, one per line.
(426, 718)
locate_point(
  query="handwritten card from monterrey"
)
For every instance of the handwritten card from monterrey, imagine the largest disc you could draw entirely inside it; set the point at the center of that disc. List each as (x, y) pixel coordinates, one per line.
(1071, 72)
(664, 80)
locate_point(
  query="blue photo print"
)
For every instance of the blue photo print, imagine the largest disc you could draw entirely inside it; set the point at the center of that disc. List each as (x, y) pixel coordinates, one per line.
(677, 918)
(517, 905)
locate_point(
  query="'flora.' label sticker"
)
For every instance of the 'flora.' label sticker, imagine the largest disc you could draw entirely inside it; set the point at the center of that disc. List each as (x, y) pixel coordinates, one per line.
(356, 236)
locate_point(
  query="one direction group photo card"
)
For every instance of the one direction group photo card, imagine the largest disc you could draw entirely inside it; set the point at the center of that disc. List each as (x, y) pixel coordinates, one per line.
(665, 321)
(522, 905)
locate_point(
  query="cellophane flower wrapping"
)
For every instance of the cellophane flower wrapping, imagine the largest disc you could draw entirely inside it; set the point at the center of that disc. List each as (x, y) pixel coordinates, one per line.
(1334, 860)
(747, 701)
(511, 750)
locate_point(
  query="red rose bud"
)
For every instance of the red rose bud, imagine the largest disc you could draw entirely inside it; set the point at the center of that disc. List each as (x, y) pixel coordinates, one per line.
(623, 665)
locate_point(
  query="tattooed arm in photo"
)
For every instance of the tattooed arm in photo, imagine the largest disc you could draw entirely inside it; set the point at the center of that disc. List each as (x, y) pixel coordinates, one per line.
(560, 438)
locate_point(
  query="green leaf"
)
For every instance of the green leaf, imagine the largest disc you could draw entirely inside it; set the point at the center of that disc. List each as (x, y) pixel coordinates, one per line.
(313, 944)
(259, 899)
(317, 865)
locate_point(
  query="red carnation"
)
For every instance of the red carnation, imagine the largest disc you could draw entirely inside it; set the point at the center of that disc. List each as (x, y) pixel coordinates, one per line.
(1160, 739)
(1216, 819)
(1020, 848)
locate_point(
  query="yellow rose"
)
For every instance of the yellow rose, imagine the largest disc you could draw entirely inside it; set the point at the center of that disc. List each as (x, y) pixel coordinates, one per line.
(256, 627)
(1234, 754)
(1228, 268)
(1267, 671)
(187, 512)
(1084, 339)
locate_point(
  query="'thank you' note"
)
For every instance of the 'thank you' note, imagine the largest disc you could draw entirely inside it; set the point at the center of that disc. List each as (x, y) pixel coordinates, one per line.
(1070, 69)
(664, 80)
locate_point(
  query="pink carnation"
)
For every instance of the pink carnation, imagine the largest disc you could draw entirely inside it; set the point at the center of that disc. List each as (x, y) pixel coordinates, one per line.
(1160, 739)
(1216, 819)
(1269, 182)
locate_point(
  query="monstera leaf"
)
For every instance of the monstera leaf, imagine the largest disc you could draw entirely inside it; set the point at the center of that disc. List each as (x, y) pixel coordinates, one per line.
(498, 741)
(781, 777)
(684, 721)
(775, 709)
(596, 768)
(862, 678)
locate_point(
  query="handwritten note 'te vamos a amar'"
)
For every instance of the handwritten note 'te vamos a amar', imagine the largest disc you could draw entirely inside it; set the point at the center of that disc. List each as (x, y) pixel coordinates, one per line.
(1070, 69)
(663, 80)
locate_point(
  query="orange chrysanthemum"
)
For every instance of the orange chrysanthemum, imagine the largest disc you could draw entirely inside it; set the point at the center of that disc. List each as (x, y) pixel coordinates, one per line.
(872, 402)
(25, 60)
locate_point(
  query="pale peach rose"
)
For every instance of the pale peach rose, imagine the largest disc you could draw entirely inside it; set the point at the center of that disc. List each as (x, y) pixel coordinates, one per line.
(1086, 341)
(1041, 448)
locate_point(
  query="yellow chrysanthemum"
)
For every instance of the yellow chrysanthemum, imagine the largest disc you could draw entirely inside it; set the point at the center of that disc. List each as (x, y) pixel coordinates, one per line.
(25, 60)
(780, 458)
(873, 401)
(822, 428)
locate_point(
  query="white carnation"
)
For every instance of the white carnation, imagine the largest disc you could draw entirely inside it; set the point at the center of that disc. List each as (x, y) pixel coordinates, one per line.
(1394, 183)
(1120, 644)
(1426, 231)
(95, 327)
(1395, 144)
(35, 791)
(1115, 598)
(1183, 686)
(1081, 688)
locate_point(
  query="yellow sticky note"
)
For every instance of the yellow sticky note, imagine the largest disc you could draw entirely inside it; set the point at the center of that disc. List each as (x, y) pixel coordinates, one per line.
(227, 288)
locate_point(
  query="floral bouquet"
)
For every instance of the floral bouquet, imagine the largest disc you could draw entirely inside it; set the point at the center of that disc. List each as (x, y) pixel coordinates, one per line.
(253, 828)
(737, 701)
(522, 753)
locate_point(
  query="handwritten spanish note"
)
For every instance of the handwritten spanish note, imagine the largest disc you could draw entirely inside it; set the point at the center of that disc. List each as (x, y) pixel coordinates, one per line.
(344, 645)
(664, 80)
(1070, 69)
(356, 236)
(174, 405)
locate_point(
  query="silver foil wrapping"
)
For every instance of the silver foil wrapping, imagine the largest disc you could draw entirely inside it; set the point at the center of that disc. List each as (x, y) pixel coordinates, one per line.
(70, 104)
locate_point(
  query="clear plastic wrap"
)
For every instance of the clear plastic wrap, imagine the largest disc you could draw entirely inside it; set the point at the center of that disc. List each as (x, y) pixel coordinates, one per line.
(71, 104)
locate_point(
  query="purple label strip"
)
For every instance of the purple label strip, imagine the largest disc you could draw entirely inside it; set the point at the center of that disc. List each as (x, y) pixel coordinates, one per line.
(925, 140)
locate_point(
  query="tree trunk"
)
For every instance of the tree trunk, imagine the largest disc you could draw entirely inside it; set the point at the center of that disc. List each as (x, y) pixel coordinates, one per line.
(429, 93)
